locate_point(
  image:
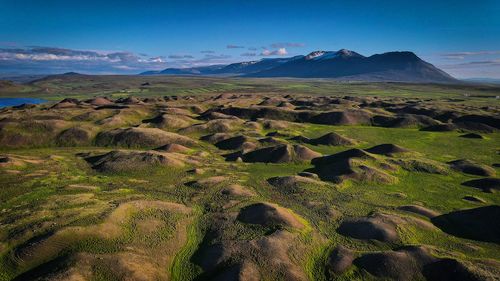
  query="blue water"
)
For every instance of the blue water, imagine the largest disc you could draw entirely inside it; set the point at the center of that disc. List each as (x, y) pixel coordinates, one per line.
(18, 101)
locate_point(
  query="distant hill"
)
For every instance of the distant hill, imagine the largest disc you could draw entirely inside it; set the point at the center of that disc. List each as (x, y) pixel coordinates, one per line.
(74, 75)
(341, 65)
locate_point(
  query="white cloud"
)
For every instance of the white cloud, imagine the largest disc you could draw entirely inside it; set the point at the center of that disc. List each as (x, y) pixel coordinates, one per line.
(279, 52)
(48, 60)
(282, 52)
(124, 67)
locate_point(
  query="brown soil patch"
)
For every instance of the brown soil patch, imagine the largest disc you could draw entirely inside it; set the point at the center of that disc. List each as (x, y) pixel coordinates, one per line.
(293, 182)
(375, 227)
(267, 214)
(470, 167)
(140, 137)
(486, 184)
(119, 161)
(477, 224)
(172, 147)
(339, 260)
(419, 210)
(332, 139)
(237, 190)
(387, 149)
(280, 154)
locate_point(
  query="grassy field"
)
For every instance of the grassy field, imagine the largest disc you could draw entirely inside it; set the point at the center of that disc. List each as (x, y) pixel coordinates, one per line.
(63, 217)
(84, 86)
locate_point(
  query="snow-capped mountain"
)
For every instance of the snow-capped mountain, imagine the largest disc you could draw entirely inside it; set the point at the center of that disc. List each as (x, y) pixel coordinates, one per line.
(342, 65)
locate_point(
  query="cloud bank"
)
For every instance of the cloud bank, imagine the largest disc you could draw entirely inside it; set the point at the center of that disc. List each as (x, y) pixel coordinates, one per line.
(57, 60)
(463, 55)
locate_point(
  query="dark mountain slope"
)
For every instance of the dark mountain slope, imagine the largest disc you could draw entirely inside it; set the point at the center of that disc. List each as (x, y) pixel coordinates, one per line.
(392, 66)
(342, 65)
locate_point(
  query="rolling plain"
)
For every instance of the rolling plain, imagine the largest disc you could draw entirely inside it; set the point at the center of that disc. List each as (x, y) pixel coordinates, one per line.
(196, 178)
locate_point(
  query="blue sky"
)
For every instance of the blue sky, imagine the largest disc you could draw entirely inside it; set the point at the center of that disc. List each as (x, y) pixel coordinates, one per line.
(130, 36)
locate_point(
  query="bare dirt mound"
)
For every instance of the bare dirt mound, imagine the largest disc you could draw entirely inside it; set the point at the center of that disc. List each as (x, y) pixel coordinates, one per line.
(140, 137)
(271, 141)
(285, 104)
(292, 182)
(448, 127)
(471, 136)
(339, 260)
(470, 167)
(172, 147)
(417, 263)
(274, 101)
(486, 184)
(303, 153)
(280, 154)
(419, 210)
(119, 161)
(375, 227)
(387, 149)
(214, 126)
(332, 139)
(129, 100)
(73, 137)
(476, 127)
(261, 113)
(177, 111)
(348, 165)
(170, 121)
(346, 117)
(410, 263)
(99, 101)
(347, 154)
(269, 215)
(66, 103)
(265, 256)
(216, 137)
(403, 264)
(492, 121)
(448, 269)
(404, 121)
(211, 115)
(237, 142)
(301, 139)
(236, 190)
(246, 271)
(477, 224)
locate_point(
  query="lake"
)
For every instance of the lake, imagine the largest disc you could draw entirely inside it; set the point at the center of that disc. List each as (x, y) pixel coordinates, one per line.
(18, 101)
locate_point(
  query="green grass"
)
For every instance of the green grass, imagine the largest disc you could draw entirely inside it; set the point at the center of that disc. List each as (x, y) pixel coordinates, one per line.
(31, 206)
(119, 86)
(182, 268)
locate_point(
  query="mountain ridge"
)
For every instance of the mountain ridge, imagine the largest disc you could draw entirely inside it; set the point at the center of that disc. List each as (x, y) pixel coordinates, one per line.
(397, 66)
